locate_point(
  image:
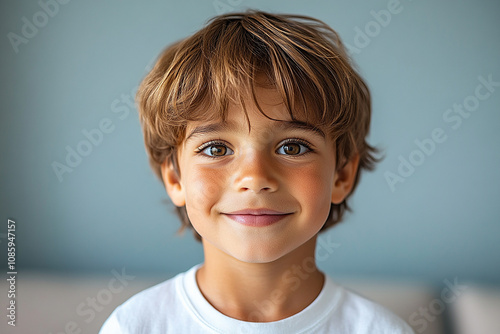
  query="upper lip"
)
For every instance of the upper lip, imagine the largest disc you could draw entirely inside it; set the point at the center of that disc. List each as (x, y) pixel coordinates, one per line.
(256, 212)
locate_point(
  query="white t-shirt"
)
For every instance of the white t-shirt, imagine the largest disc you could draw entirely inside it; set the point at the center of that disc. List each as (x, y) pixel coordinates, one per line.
(177, 306)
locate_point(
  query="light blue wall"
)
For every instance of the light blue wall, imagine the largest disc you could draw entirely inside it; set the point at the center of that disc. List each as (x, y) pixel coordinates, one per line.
(442, 222)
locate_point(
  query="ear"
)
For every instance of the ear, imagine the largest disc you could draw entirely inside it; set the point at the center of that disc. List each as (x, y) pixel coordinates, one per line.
(343, 180)
(173, 184)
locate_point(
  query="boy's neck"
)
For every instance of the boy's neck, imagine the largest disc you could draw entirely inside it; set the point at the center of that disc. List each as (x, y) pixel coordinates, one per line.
(260, 292)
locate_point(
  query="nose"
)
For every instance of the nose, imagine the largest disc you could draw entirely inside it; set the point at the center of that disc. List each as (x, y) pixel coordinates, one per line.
(255, 172)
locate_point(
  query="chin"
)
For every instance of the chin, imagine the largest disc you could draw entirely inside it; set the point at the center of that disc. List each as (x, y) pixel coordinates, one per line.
(258, 254)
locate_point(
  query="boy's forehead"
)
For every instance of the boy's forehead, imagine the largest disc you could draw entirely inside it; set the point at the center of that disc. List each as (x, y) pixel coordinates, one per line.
(266, 129)
(248, 113)
(268, 98)
(237, 119)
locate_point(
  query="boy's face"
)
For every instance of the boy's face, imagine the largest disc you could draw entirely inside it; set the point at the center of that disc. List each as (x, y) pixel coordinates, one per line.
(266, 168)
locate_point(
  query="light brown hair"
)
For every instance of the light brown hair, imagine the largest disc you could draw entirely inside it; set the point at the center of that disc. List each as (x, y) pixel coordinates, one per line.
(302, 57)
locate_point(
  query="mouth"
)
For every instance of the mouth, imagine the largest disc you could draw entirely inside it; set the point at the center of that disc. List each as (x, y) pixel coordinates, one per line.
(257, 217)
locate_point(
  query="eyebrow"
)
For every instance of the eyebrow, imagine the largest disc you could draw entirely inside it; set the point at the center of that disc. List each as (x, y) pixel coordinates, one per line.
(281, 125)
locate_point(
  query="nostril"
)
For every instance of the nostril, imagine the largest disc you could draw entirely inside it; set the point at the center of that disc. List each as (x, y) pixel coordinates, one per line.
(257, 189)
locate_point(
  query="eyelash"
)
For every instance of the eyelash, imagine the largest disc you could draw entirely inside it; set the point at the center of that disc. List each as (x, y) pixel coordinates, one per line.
(219, 142)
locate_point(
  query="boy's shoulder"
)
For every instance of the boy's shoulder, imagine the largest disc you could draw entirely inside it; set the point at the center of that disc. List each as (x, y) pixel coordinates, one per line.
(150, 310)
(362, 315)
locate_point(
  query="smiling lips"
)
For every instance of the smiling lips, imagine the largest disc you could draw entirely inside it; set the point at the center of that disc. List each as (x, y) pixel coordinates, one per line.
(257, 217)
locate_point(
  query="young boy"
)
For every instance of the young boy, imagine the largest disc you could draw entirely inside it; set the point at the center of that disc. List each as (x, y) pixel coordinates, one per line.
(256, 125)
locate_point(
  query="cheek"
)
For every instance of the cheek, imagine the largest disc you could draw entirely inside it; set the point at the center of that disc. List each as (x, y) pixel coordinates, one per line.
(313, 188)
(203, 188)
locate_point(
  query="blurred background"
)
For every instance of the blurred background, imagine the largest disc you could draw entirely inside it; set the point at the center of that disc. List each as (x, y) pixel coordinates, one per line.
(87, 208)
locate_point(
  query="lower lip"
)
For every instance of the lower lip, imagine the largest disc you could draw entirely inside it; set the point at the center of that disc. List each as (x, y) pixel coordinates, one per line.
(257, 220)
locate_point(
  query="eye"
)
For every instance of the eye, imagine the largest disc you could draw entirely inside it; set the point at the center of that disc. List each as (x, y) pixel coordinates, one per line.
(295, 147)
(214, 149)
